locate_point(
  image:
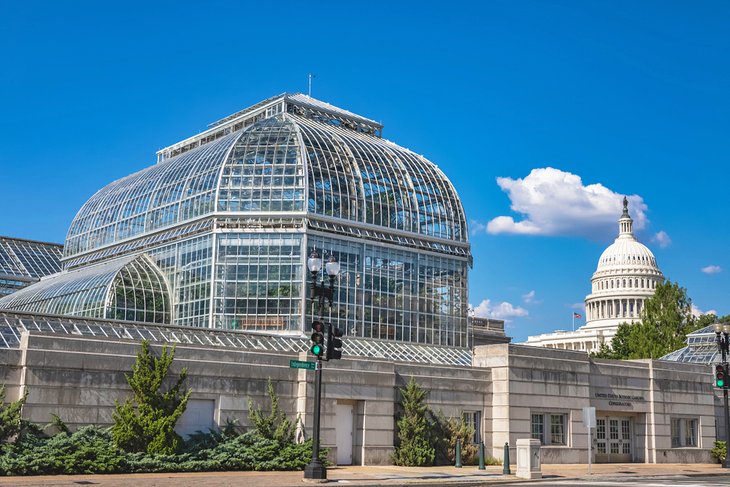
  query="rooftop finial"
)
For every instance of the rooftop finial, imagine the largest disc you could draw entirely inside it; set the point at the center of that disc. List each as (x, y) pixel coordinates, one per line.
(625, 223)
(626, 208)
(309, 93)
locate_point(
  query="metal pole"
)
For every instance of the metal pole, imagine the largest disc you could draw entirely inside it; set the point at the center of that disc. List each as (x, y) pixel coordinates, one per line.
(590, 449)
(505, 462)
(726, 462)
(316, 469)
(723, 349)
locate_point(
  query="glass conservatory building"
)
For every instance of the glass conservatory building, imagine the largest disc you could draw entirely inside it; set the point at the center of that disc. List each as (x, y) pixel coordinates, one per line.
(216, 234)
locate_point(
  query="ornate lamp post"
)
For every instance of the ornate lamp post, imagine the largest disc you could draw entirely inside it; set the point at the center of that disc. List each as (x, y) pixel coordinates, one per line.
(722, 332)
(316, 470)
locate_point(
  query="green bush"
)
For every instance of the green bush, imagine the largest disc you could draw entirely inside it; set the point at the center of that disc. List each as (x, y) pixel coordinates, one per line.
(88, 450)
(719, 451)
(91, 450)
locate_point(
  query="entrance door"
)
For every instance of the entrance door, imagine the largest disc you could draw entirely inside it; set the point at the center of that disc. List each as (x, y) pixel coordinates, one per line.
(344, 422)
(613, 440)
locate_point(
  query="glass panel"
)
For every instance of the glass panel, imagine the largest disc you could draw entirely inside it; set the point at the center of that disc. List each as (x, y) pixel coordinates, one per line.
(614, 447)
(675, 434)
(397, 294)
(691, 433)
(259, 282)
(601, 429)
(601, 446)
(625, 429)
(626, 448)
(557, 429)
(613, 428)
(538, 427)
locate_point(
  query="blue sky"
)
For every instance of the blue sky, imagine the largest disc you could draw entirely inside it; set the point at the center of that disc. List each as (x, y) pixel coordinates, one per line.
(546, 112)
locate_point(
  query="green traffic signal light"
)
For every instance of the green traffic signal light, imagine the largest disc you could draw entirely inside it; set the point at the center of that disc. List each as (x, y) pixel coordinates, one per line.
(720, 375)
(317, 347)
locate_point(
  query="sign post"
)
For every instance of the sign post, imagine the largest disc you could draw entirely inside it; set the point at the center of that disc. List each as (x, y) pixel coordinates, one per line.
(589, 420)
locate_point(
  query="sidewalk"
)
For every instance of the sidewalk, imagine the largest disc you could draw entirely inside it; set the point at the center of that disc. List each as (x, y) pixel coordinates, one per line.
(368, 476)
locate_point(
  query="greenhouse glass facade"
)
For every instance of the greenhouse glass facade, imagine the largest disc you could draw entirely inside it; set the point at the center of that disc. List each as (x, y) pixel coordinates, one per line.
(23, 262)
(229, 216)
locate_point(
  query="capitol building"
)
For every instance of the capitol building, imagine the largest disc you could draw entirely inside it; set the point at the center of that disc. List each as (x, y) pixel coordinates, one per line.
(627, 274)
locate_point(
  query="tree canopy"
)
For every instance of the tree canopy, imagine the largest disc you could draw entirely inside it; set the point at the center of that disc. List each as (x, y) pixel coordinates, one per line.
(665, 322)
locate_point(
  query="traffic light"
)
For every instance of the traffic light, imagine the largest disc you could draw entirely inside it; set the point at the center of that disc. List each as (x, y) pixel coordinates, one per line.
(317, 348)
(721, 379)
(334, 343)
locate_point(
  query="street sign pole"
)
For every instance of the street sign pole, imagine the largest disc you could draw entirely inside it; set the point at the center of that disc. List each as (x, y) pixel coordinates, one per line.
(316, 469)
(589, 420)
(590, 449)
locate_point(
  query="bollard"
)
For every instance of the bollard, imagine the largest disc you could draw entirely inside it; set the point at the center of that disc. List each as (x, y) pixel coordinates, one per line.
(481, 456)
(505, 463)
(458, 454)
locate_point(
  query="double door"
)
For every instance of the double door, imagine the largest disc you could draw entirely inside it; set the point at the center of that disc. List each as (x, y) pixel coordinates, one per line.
(614, 440)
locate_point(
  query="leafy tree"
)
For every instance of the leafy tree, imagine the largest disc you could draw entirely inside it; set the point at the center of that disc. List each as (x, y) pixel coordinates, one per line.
(414, 448)
(665, 322)
(272, 426)
(445, 433)
(146, 422)
(11, 420)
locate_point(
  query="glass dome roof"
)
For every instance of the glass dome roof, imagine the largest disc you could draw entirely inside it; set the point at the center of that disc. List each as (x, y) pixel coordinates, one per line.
(130, 288)
(294, 161)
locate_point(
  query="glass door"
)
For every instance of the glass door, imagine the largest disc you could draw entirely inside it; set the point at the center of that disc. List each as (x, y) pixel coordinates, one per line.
(613, 440)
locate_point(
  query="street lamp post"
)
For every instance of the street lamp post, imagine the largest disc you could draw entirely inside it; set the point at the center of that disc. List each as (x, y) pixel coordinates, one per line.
(722, 331)
(316, 470)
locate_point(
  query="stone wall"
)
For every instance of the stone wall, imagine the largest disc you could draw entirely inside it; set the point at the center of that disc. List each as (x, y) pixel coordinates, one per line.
(79, 378)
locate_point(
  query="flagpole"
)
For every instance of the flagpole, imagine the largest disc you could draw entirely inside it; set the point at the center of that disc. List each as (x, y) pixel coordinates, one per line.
(573, 321)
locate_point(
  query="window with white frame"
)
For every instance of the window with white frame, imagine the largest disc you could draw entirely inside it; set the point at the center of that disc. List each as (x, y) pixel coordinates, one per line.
(684, 432)
(474, 419)
(550, 428)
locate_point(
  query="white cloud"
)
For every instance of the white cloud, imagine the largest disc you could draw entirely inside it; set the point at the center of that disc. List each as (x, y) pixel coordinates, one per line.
(578, 306)
(476, 227)
(500, 311)
(711, 269)
(697, 312)
(662, 239)
(529, 298)
(556, 202)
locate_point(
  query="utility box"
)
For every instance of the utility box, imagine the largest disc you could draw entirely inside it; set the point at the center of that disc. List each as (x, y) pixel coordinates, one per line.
(528, 459)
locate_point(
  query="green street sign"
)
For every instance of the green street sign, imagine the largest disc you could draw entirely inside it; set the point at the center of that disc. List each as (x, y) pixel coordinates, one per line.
(300, 364)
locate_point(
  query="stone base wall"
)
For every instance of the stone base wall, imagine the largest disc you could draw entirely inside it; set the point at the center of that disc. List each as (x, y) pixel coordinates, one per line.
(79, 378)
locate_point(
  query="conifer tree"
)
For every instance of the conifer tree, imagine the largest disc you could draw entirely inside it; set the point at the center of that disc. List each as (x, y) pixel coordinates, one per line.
(275, 425)
(10, 418)
(146, 422)
(414, 448)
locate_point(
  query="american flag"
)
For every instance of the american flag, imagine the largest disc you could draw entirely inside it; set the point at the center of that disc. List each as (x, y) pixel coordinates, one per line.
(577, 315)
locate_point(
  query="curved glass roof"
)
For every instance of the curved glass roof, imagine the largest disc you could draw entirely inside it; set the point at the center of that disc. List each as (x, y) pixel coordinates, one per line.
(27, 258)
(131, 288)
(701, 348)
(294, 161)
(177, 190)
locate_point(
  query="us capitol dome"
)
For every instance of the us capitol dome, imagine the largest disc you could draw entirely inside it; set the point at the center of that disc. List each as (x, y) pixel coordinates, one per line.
(627, 274)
